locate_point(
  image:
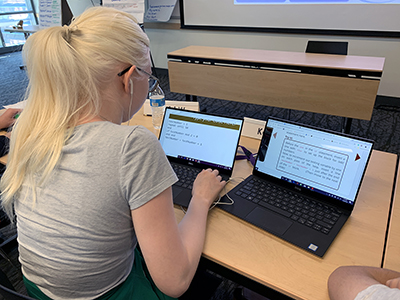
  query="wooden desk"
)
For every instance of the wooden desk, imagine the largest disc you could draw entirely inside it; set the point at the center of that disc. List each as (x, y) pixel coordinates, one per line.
(278, 78)
(272, 262)
(392, 255)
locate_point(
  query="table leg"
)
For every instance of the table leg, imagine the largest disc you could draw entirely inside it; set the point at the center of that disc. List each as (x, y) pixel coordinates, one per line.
(347, 125)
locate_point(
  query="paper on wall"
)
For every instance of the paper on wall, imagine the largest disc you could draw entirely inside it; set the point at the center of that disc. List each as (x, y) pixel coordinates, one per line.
(159, 10)
(18, 105)
(134, 7)
(49, 13)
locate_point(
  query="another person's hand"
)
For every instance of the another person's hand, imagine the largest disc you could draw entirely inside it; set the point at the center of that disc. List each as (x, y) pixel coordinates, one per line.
(207, 186)
(7, 119)
(393, 283)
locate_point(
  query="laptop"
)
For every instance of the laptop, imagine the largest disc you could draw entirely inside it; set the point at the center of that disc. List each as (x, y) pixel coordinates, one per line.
(304, 183)
(194, 141)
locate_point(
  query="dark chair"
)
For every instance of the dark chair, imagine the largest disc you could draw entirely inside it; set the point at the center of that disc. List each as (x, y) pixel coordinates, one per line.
(339, 48)
(7, 290)
(9, 294)
(5, 240)
(322, 47)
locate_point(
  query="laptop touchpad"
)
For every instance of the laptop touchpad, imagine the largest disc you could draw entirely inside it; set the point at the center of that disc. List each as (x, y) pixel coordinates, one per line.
(268, 221)
(176, 191)
(181, 196)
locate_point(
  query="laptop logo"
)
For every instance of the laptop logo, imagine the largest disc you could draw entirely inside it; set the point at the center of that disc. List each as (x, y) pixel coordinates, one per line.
(313, 247)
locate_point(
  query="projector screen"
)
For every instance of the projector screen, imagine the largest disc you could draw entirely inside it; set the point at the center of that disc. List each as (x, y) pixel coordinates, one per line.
(333, 17)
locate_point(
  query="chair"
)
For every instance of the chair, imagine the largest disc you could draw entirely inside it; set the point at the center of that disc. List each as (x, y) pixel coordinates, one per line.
(7, 290)
(9, 294)
(4, 241)
(323, 47)
(339, 48)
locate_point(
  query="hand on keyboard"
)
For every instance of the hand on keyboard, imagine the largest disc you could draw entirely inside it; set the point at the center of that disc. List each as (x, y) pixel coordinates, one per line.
(207, 186)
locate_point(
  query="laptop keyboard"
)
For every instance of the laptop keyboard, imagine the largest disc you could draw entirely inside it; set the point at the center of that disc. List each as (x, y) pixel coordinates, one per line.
(303, 210)
(186, 175)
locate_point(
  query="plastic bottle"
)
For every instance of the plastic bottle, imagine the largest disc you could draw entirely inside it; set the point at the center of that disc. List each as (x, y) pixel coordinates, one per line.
(157, 103)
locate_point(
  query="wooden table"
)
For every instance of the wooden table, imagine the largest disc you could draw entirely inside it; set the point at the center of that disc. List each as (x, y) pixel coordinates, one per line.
(266, 260)
(392, 255)
(289, 80)
(274, 263)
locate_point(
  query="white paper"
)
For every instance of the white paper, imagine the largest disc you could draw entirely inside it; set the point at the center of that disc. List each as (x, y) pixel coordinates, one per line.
(134, 7)
(49, 13)
(18, 105)
(160, 10)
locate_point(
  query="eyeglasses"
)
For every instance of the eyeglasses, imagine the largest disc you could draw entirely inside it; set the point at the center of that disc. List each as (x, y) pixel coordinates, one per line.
(153, 80)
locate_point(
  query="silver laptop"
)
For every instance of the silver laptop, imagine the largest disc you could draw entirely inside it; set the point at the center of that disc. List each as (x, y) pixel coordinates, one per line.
(194, 141)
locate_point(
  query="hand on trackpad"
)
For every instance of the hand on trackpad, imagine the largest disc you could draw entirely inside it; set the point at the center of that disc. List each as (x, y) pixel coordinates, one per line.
(268, 221)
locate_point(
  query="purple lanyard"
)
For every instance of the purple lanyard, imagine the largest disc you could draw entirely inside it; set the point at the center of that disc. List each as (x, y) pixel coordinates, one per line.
(247, 155)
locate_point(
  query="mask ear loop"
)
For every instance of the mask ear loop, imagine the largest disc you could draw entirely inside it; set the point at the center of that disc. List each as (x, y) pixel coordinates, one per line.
(130, 104)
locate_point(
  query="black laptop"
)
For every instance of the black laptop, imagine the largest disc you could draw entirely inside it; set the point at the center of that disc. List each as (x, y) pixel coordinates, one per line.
(194, 141)
(304, 184)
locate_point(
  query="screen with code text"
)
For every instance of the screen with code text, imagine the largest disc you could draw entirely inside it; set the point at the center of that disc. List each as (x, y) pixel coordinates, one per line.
(201, 138)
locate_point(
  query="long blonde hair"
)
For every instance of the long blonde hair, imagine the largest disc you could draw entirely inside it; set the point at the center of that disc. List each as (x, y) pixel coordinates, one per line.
(67, 66)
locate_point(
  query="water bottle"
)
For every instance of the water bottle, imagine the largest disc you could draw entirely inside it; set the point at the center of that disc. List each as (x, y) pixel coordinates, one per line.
(157, 103)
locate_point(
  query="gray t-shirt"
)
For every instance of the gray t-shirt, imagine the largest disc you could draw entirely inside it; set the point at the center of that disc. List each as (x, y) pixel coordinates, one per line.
(77, 240)
(378, 292)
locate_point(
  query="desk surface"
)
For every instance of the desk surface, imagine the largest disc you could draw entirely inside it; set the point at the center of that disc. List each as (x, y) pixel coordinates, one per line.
(341, 62)
(392, 256)
(268, 260)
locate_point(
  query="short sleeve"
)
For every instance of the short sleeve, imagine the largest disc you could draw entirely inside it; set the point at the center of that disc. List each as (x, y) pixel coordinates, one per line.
(145, 169)
(378, 292)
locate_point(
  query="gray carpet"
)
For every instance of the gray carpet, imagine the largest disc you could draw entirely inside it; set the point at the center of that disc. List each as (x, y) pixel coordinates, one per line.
(383, 128)
(13, 80)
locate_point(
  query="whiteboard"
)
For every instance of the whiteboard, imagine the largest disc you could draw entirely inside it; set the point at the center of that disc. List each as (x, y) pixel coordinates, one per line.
(354, 17)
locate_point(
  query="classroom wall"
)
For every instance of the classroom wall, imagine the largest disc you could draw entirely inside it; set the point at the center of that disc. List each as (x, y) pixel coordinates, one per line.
(167, 40)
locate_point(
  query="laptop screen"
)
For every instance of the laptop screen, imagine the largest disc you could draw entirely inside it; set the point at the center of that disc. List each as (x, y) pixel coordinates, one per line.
(321, 161)
(200, 138)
